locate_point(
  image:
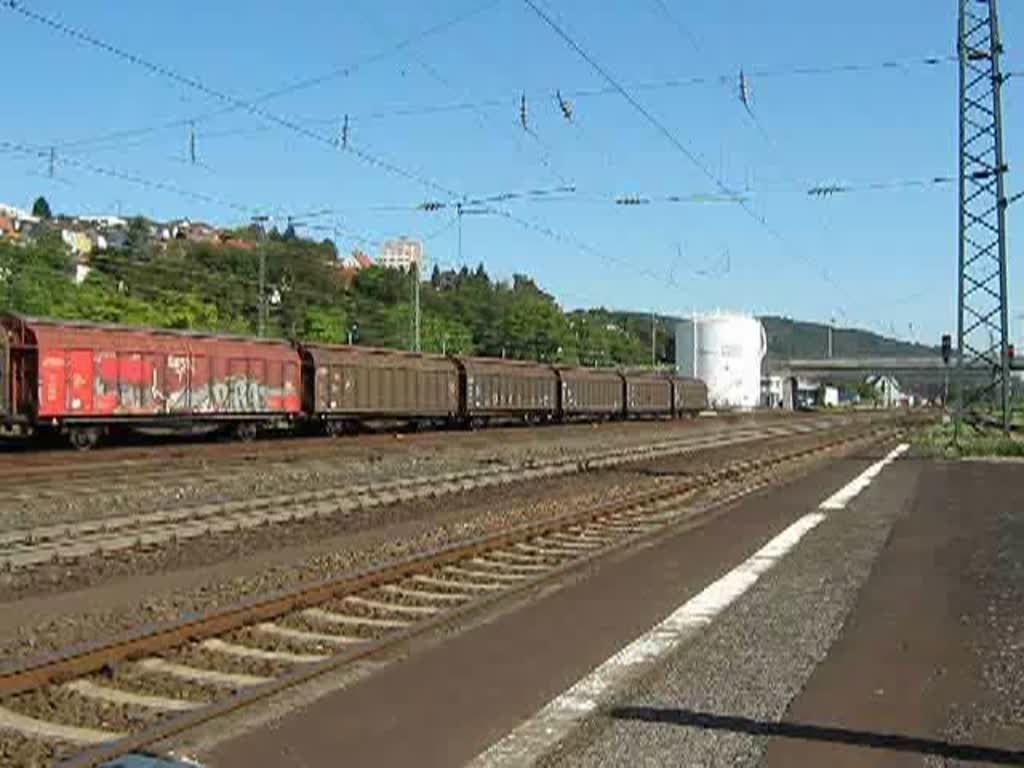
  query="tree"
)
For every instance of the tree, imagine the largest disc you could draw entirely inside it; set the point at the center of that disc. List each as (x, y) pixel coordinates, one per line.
(867, 392)
(139, 242)
(41, 209)
(326, 324)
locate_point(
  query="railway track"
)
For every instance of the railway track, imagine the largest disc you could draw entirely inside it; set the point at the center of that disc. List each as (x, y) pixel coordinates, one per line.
(91, 704)
(66, 542)
(78, 472)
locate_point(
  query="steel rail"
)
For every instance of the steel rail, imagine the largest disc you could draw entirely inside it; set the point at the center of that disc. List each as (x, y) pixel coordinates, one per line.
(146, 641)
(39, 545)
(161, 732)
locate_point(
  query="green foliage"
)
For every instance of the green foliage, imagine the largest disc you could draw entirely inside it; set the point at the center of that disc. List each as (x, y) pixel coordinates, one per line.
(938, 441)
(216, 286)
(794, 339)
(35, 277)
(326, 324)
(140, 243)
(41, 209)
(866, 392)
(603, 340)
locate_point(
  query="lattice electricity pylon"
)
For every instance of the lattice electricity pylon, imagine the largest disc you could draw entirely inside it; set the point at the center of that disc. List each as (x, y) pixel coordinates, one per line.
(983, 323)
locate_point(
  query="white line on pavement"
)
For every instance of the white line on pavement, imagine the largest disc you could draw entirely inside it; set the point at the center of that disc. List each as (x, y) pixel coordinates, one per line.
(849, 492)
(554, 722)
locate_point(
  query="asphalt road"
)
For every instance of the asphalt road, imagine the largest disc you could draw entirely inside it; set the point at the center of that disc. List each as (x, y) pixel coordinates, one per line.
(890, 634)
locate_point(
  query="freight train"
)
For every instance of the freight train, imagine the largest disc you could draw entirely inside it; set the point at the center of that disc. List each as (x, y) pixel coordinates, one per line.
(85, 380)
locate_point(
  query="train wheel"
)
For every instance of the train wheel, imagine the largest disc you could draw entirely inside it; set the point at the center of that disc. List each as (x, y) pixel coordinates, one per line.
(83, 438)
(246, 432)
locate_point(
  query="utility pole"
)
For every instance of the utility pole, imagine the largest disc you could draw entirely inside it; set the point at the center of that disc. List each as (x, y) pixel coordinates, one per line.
(654, 339)
(458, 213)
(263, 293)
(830, 347)
(261, 302)
(982, 315)
(416, 303)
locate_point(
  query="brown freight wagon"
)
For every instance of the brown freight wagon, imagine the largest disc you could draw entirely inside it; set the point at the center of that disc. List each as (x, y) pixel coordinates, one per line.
(346, 383)
(506, 388)
(648, 394)
(86, 378)
(590, 392)
(689, 396)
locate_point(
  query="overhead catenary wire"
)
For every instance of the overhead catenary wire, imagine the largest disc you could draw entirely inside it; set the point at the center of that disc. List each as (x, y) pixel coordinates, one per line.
(682, 29)
(214, 93)
(832, 189)
(103, 141)
(483, 118)
(253, 109)
(645, 85)
(246, 209)
(162, 186)
(294, 86)
(665, 131)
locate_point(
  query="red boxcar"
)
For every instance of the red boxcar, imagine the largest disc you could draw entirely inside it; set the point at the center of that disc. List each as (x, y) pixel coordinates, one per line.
(82, 376)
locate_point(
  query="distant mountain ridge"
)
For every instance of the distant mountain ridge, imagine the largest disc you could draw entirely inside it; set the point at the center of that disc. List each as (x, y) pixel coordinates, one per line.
(788, 338)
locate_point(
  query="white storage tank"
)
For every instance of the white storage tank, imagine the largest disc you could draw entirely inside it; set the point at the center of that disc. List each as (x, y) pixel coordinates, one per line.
(725, 350)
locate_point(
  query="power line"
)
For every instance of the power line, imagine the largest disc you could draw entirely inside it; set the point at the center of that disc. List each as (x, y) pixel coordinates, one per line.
(482, 115)
(236, 103)
(663, 129)
(251, 108)
(683, 31)
(162, 186)
(613, 83)
(830, 190)
(498, 102)
(297, 85)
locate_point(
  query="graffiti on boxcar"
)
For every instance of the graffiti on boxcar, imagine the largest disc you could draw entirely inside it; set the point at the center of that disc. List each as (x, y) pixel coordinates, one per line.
(149, 384)
(232, 395)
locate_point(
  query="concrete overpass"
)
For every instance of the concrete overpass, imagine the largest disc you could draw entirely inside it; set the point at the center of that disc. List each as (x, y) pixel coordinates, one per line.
(848, 366)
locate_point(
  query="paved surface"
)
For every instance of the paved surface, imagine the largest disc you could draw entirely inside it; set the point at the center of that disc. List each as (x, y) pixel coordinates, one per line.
(927, 668)
(444, 705)
(931, 663)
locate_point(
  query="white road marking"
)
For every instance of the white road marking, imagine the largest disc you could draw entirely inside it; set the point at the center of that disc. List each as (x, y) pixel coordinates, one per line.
(30, 726)
(852, 489)
(558, 718)
(247, 652)
(91, 690)
(227, 679)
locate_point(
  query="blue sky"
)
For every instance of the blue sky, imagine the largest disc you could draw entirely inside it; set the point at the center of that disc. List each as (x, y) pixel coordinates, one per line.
(884, 260)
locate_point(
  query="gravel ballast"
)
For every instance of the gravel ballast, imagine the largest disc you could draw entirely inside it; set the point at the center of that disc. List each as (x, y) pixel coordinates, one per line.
(168, 594)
